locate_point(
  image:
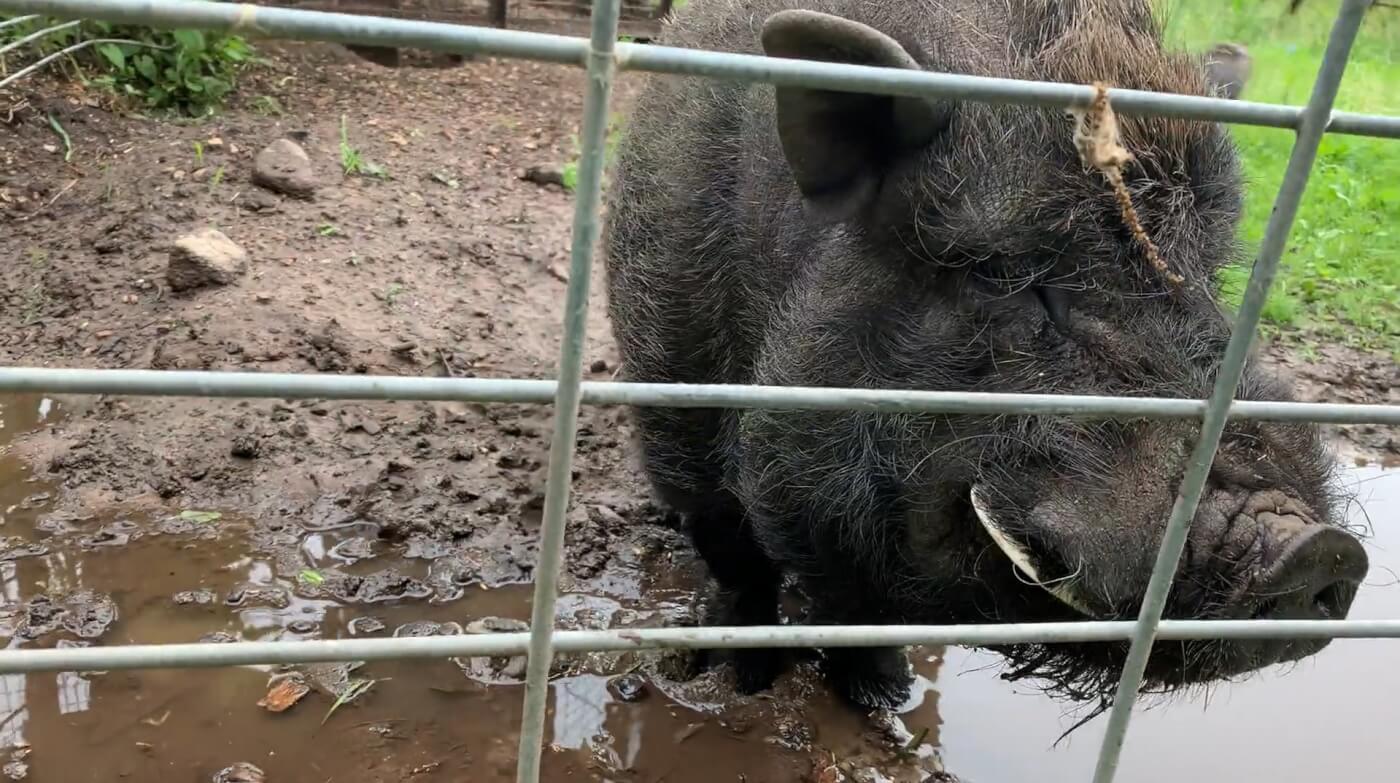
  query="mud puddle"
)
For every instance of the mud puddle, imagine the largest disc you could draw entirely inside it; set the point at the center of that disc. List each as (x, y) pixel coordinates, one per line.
(211, 576)
(21, 492)
(203, 575)
(411, 720)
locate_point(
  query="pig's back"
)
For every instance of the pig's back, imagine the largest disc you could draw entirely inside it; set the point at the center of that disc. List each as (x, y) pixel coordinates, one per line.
(705, 230)
(705, 233)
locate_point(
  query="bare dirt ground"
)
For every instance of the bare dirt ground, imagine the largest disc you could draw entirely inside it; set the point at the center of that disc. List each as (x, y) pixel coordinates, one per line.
(344, 519)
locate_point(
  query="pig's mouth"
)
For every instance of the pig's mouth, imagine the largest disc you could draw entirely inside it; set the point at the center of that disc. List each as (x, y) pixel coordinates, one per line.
(1274, 561)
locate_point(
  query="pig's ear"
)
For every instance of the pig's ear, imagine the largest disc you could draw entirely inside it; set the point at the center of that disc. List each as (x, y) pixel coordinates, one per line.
(840, 145)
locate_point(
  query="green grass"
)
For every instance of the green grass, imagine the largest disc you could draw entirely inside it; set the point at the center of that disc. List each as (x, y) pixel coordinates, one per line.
(1340, 276)
(569, 172)
(350, 158)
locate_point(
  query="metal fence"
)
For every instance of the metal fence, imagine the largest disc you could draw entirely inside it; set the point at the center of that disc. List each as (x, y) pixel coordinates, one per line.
(602, 56)
(639, 19)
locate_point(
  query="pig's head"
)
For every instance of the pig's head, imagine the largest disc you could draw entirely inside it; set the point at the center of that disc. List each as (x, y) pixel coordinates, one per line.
(1041, 288)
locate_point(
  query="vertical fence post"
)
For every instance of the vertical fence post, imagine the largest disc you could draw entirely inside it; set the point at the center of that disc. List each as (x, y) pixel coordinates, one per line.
(587, 219)
(1314, 121)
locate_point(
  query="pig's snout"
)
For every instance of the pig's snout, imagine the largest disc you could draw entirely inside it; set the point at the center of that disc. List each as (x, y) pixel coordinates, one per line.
(1315, 577)
(1309, 572)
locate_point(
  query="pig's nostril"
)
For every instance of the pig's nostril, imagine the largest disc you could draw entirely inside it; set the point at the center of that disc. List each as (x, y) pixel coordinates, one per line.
(1333, 600)
(1314, 578)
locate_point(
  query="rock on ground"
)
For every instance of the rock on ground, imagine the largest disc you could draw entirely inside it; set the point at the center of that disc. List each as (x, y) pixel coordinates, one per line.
(242, 772)
(205, 258)
(283, 166)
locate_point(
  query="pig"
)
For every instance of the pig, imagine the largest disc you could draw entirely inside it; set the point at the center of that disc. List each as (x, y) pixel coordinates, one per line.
(1228, 67)
(801, 237)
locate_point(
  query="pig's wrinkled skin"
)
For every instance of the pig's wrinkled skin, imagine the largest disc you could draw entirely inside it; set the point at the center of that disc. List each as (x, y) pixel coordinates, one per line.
(808, 238)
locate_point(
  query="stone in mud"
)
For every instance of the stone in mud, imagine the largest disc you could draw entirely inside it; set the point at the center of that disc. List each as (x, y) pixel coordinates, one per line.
(543, 176)
(416, 628)
(197, 597)
(89, 614)
(284, 167)
(205, 258)
(494, 669)
(331, 679)
(630, 687)
(39, 617)
(388, 585)
(353, 549)
(284, 693)
(245, 446)
(792, 733)
(450, 573)
(242, 772)
(361, 626)
(14, 548)
(85, 614)
(273, 597)
(258, 201)
(497, 625)
(114, 535)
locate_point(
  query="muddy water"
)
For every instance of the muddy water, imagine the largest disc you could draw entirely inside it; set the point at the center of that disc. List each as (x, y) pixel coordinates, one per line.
(143, 580)
(19, 491)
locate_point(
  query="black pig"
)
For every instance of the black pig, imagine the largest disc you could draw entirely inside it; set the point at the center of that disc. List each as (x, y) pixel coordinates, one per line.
(802, 237)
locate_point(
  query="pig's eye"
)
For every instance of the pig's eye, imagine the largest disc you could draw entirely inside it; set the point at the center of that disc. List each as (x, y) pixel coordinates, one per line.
(1056, 304)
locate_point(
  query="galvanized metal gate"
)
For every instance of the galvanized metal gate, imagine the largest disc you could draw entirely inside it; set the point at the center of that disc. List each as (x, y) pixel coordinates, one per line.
(603, 57)
(636, 18)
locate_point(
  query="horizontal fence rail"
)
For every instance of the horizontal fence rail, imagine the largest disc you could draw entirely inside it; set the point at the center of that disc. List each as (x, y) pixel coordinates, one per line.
(211, 654)
(291, 386)
(602, 56)
(275, 22)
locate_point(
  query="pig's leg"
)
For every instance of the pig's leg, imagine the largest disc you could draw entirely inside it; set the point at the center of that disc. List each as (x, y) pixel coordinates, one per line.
(678, 449)
(872, 677)
(748, 590)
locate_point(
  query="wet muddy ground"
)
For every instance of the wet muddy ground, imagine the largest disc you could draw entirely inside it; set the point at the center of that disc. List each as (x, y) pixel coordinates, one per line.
(149, 579)
(185, 577)
(158, 520)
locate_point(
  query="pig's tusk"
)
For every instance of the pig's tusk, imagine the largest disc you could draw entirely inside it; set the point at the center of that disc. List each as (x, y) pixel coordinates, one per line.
(1062, 589)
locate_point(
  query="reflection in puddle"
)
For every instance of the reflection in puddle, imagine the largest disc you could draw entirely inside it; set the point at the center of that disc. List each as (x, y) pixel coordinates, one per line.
(580, 710)
(1326, 718)
(586, 717)
(16, 713)
(422, 720)
(74, 693)
(24, 413)
(19, 491)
